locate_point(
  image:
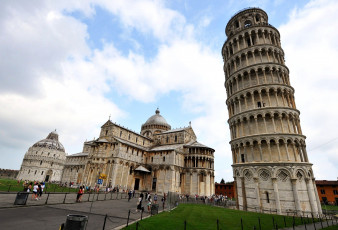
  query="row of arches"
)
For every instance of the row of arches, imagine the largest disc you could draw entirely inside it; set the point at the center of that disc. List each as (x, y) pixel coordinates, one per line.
(257, 75)
(198, 162)
(250, 37)
(252, 57)
(260, 75)
(265, 123)
(297, 172)
(260, 99)
(269, 149)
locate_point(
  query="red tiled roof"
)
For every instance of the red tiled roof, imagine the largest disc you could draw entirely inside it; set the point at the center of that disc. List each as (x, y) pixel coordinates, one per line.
(326, 182)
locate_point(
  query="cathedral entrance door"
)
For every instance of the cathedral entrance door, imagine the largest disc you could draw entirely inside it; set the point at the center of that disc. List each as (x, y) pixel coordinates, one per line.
(137, 184)
(154, 184)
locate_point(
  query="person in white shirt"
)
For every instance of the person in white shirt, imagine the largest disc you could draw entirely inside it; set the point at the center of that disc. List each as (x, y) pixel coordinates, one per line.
(35, 191)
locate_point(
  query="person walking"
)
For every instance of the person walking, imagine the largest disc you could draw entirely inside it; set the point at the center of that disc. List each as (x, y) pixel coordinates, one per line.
(149, 203)
(79, 194)
(155, 198)
(35, 191)
(139, 205)
(163, 201)
(129, 195)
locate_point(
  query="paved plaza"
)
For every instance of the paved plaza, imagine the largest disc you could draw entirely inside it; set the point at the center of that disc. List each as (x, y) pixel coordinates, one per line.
(51, 216)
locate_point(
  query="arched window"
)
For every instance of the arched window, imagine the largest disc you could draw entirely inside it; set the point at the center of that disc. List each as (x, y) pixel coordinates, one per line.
(237, 24)
(120, 133)
(163, 159)
(131, 170)
(40, 162)
(106, 132)
(152, 159)
(175, 138)
(167, 139)
(267, 197)
(247, 23)
(257, 17)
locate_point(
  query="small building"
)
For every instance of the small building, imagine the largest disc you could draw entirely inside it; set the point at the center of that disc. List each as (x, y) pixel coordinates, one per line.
(328, 191)
(226, 189)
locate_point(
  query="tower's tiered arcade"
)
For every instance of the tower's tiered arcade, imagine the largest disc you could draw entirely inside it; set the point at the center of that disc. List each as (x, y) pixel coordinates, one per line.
(270, 162)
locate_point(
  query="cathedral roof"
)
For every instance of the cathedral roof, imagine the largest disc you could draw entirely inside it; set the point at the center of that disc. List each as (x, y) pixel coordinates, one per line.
(157, 119)
(51, 142)
(78, 155)
(197, 144)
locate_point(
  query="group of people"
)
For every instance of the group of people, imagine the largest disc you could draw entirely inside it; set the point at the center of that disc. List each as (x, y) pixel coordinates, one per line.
(36, 187)
(149, 201)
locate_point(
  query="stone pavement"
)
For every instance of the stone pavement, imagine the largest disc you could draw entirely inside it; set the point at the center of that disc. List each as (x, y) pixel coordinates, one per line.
(312, 227)
(51, 216)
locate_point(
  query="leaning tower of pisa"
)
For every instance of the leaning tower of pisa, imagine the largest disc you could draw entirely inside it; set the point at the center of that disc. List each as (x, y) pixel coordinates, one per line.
(270, 163)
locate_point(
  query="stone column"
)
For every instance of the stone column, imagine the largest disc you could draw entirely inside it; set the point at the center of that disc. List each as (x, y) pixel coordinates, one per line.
(295, 195)
(190, 183)
(198, 184)
(311, 196)
(245, 205)
(236, 188)
(319, 207)
(275, 188)
(258, 197)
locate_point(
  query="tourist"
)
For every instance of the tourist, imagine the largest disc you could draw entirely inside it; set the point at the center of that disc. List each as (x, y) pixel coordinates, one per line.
(29, 188)
(155, 198)
(79, 194)
(149, 202)
(163, 201)
(129, 195)
(141, 196)
(139, 205)
(35, 191)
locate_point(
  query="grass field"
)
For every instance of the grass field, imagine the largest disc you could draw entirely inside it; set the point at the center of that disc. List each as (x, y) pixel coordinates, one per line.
(330, 207)
(205, 217)
(8, 185)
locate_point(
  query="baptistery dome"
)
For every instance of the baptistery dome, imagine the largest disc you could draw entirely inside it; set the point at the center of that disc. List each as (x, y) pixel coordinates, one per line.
(155, 124)
(51, 142)
(44, 161)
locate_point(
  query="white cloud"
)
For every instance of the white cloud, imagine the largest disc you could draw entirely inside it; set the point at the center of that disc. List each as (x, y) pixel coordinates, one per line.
(51, 79)
(310, 44)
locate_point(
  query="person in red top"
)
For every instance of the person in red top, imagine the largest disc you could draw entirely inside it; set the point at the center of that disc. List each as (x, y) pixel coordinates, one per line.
(79, 194)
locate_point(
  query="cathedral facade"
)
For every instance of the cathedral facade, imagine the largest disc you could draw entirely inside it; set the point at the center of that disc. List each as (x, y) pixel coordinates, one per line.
(158, 159)
(270, 163)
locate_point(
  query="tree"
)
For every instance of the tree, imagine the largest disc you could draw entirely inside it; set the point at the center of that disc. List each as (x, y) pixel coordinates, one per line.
(222, 181)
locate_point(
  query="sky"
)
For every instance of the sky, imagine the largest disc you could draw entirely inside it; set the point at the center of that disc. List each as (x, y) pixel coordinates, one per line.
(69, 65)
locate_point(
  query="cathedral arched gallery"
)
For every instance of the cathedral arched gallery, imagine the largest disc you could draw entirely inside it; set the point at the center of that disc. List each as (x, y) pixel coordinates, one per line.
(158, 159)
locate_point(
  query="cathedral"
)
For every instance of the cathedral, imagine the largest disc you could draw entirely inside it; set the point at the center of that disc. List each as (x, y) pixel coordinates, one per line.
(158, 159)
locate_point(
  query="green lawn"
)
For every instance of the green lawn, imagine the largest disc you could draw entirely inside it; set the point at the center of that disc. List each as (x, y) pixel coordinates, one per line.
(330, 207)
(13, 186)
(205, 217)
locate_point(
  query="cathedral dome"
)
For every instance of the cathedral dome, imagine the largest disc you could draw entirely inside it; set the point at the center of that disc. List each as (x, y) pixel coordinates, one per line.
(156, 119)
(155, 124)
(51, 142)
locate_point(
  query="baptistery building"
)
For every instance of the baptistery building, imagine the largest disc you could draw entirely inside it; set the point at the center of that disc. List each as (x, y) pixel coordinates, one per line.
(44, 161)
(270, 163)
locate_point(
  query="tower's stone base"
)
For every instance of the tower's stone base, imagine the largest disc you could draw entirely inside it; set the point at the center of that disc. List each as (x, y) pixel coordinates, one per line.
(282, 188)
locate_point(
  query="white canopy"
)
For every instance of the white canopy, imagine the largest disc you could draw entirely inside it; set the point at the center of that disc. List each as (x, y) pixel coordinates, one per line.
(141, 168)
